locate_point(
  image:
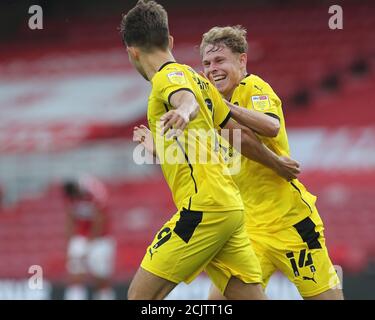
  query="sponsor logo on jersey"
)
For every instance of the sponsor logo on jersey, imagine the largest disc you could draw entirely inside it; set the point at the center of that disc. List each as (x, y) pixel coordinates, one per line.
(260, 103)
(177, 77)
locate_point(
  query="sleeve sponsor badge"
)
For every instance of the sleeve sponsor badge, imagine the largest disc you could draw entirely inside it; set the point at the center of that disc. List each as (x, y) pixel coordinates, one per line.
(261, 103)
(177, 77)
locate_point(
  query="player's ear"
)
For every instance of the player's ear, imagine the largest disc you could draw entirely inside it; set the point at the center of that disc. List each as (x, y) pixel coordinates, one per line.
(243, 60)
(133, 52)
(170, 46)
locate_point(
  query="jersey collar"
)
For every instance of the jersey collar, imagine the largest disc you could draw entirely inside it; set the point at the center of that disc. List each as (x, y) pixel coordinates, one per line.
(247, 75)
(165, 64)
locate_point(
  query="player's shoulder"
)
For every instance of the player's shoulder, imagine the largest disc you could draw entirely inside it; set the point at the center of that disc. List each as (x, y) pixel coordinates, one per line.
(171, 73)
(166, 69)
(172, 66)
(255, 84)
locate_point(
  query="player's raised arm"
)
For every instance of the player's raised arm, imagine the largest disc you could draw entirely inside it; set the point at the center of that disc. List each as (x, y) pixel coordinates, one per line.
(259, 122)
(254, 149)
(185, 109)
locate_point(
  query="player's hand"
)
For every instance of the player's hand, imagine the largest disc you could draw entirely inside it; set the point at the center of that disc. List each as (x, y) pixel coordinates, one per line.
(143, 136)
(289, 168)
(175, 121)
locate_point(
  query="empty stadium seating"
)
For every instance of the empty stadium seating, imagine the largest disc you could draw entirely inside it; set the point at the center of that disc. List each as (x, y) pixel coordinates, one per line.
(33, 231)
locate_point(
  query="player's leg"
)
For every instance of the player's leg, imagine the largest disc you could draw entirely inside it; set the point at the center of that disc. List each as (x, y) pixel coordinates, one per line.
(234, 286)
(215, 294)
(330, 279)
(266, 265)
(180, 251)
(100, 262)
(77, 269)
(301, 254)
(235, 270)
(238, 290)
(148, 286)
(153, 280)
(330, 294)
(183, 248)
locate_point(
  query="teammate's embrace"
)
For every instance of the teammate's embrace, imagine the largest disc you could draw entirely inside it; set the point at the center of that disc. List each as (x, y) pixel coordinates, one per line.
(208, 231)
(281, 218)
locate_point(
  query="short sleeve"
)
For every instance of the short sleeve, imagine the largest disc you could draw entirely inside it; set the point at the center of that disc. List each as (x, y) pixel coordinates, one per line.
(171, 80)
(265, 101)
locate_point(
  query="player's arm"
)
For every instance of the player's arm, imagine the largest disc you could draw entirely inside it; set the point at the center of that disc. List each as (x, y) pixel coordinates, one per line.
(251, 146)
(69, 224)
(254, 149)
(263, 124)
(185, 109)
(97, 224)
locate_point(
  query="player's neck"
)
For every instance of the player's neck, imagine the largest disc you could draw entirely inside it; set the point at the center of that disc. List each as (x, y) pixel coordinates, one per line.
(154, 61)
(241, 76)
(245, 74)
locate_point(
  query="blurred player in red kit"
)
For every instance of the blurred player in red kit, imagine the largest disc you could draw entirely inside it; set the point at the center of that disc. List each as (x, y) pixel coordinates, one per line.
(90, 250)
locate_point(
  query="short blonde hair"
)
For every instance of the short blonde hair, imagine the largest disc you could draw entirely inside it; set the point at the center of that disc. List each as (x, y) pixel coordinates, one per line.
(234, 37)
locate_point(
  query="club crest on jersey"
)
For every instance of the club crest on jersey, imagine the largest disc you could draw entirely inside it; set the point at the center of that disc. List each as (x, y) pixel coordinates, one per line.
(177, 77)
(260, 103)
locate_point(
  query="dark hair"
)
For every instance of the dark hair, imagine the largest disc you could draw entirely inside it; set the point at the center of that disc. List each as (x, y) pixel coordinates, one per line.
(145, 26)
(71, 189)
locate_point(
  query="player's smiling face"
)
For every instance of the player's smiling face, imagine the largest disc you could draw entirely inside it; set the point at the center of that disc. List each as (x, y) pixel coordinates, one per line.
(225, 68)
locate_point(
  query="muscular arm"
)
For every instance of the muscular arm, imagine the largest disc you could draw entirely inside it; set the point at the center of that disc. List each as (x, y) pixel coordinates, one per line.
(254, 149)
(261, 123)
(185, 109)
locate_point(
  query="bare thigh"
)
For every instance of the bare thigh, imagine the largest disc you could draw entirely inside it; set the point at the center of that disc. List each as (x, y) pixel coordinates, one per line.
(215, 294)
(331, 294)
(147, 286)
